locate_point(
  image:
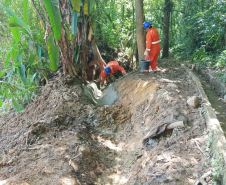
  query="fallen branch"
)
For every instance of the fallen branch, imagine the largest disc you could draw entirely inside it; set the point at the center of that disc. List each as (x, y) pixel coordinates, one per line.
(199, 148)
(178, 124)
(161, 127)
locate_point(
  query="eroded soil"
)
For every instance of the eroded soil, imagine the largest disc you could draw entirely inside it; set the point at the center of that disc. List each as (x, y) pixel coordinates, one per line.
(63, 139)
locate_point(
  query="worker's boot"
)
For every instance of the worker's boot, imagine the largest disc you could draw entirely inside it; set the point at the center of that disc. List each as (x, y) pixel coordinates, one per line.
(150, 69)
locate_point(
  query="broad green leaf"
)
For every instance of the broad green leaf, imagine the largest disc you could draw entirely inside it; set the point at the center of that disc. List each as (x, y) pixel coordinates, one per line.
(76, 5)
(23, 74)
(12, 51)
(74, 18)
(19, 58)
(86, 7)
(8, 57)
(91, 5)
(39, 52)
(30, 45)
(54, 16)
(15, 30)
(25, 13)
(17, 106)
(24, 45)
(10, 73)
(15, 53)
(53, 51)
(32, 59)
(19, 20)
(16, 65)
(7, 2)
(33, 77)
(44, 73)
(2, 73)
(1, 93)
(14, 25)
(0, 102)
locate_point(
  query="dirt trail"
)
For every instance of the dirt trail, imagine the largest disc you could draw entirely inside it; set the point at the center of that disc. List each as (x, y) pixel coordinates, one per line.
(63, 139)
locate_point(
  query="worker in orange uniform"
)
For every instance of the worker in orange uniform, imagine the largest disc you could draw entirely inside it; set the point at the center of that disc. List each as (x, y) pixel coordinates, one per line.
(152, 45)
(111, 68)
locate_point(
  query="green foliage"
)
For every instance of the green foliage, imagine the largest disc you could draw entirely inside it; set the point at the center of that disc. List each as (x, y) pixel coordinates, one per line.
(76, 5)
(216, 163)
(74, 19)
(15, 30)
(7, 2)
(115, 24)
(25, 11)
(53, 51)
(200, 32)
(20, 66)
(91, 6)
(54, 16)
(221, 59)
(19, 20)
(17, 106)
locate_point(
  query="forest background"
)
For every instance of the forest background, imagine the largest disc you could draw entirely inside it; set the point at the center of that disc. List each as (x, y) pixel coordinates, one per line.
(39, 37)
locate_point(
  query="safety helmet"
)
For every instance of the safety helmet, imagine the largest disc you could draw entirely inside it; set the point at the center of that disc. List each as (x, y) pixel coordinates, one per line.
(107, 70)
(146, 24)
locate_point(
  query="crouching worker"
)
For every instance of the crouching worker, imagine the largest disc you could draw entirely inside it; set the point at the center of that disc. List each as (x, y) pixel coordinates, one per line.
(111, 68)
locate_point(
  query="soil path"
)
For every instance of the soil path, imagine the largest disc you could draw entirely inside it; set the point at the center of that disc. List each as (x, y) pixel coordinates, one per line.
(63, 139)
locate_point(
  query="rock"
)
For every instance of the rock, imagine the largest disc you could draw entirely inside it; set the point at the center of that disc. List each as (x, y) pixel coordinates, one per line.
(171, 86)
(193, 101)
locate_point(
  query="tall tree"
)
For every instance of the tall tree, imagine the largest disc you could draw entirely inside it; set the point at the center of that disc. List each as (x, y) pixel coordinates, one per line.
(167, 10)
(139, 27)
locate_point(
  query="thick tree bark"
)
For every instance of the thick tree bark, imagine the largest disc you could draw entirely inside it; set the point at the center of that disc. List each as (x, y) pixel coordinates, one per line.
(139, 28)
(167, 11)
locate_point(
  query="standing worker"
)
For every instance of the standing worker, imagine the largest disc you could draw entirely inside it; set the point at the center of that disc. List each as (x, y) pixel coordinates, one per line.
(111, 68)
(152, 45)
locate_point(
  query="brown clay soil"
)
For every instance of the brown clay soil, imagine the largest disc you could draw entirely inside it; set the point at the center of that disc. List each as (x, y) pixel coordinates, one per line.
(63, 139)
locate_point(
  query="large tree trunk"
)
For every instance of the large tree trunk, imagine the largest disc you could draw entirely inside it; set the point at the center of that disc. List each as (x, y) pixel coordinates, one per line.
(167, 11)
(139, 28)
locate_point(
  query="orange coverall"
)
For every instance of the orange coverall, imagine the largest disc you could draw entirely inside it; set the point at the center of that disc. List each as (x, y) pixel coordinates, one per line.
(152, 47)
(114, 68)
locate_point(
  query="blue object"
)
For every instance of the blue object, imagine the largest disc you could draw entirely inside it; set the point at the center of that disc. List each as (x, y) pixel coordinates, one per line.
(146, 24)
(107, 70)
(145, 64)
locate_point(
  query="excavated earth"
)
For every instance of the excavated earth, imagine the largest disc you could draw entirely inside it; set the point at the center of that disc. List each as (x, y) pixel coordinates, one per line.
(64, 139)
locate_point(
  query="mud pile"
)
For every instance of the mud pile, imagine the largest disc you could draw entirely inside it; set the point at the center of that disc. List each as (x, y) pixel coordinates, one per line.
(62, 138)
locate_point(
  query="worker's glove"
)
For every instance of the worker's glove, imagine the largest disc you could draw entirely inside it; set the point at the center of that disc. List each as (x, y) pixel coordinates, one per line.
(125, 75)
(146, 53)
(102, 86)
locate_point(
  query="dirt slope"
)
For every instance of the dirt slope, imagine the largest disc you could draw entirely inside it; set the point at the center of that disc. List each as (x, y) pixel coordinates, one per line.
(63, 139)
